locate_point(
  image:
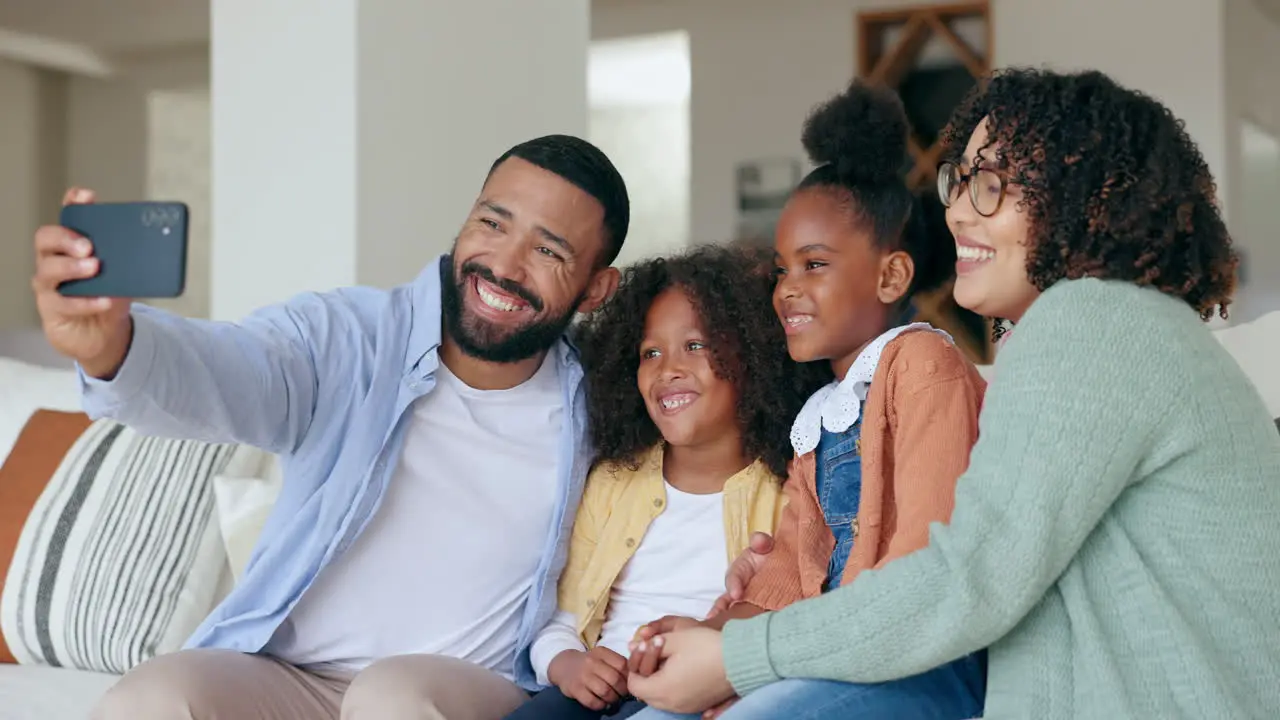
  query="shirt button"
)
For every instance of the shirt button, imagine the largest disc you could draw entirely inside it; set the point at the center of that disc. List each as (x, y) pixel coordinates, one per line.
(591, 603)
(657, 502)
(631, 542)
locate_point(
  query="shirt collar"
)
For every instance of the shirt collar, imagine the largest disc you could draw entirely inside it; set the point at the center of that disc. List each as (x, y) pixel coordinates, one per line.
(425, 311)
(651, 467)
(836, 407)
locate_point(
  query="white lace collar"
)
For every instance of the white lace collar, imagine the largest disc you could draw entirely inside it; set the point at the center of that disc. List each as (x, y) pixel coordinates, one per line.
(836, 407)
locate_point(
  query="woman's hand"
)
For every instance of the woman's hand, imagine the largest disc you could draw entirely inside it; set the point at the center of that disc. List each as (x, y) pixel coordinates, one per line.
(690, 677)
(645, 652)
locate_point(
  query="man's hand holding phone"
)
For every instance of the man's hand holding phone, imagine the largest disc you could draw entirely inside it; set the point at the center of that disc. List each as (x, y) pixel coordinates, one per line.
(95, 332)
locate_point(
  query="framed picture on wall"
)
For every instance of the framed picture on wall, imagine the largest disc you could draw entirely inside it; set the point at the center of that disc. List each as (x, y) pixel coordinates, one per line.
(931, 55)
(762, 188)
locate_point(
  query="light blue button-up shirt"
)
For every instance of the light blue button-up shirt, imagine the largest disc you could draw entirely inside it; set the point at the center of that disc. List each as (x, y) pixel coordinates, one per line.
(324, 381)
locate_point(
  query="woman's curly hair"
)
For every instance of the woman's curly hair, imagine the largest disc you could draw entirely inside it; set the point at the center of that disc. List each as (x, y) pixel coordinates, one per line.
(1113, 186)
(731, 289)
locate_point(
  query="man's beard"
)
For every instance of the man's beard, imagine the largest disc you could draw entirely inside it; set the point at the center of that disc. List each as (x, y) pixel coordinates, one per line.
(487, 341)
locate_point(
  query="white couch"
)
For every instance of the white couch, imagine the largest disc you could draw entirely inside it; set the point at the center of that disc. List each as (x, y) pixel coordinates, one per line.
(243, 494)
(42, 693)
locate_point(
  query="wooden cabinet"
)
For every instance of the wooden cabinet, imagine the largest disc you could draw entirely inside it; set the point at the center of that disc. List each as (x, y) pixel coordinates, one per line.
(932, 55)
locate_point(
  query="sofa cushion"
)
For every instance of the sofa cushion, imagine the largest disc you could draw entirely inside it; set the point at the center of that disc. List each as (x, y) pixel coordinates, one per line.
(25, 388)
(244, 504)
(41, 445)
(1255, 345)
(30, 692)
(121, 557)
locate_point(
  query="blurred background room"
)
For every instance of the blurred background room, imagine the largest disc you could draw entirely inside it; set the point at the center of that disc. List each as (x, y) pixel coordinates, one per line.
(337, 143)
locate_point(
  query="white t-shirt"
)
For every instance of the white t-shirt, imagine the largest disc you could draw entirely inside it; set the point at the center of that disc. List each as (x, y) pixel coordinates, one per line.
(445, 565)
(678, 569)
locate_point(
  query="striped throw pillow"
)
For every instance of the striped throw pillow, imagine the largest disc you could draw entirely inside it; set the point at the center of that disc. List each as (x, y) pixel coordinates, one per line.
(121, 557)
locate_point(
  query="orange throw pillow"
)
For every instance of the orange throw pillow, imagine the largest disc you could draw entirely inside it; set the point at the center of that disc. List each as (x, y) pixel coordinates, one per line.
(44, 441)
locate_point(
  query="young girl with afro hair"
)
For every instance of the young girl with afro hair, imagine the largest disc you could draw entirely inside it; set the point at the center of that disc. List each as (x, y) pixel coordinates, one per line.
(690, 395)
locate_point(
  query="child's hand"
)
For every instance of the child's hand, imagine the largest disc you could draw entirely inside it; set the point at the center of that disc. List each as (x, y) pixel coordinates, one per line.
(646, 646)
(596, 678)
(743, 569)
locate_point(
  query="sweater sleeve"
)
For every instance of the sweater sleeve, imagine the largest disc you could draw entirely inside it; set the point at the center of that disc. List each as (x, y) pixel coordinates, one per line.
(1080, 392)
(777, 583)
(936, 427)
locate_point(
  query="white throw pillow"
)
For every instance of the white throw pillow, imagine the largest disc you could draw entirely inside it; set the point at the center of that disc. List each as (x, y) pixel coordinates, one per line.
(121, 557)
(26, 388)
(244, 504)
(1255, 345)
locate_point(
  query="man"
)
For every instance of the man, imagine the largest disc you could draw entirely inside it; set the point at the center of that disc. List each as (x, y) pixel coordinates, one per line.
(433, 439)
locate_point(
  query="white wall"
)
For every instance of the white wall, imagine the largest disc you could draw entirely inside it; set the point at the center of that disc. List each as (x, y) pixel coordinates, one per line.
(1257, 227)
(1181, 62)
(32, 163)
(758, 67)
(141, 135)
(109, 119)
(650, 147)
(1253, 61)
(351, 152)
(638, 114)
(443, 90)
(179, 139)
(1253, 116)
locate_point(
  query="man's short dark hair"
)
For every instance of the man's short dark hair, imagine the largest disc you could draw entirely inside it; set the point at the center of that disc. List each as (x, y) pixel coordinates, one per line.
(588, 168)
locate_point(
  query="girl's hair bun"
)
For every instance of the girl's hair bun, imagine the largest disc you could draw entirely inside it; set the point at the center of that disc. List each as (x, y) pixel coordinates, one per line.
(861, 133)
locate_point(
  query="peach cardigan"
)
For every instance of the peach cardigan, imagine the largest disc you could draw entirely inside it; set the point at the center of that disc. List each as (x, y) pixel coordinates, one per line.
(920, 420)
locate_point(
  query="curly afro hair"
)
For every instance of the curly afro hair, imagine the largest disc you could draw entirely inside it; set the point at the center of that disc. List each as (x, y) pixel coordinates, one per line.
(858, 140)
(1113, 186)
(731, 289)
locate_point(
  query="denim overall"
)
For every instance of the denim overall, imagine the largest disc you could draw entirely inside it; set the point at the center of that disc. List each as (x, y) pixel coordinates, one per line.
(839, 486)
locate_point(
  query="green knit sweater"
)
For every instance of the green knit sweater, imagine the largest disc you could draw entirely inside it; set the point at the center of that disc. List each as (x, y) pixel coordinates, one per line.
(1115, 542)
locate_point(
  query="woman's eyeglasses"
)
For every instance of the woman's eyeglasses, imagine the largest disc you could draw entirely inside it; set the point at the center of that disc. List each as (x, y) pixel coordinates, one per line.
(986, 187)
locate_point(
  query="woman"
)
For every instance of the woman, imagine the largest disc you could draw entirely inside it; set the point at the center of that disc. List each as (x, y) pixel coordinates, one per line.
(1114, 538)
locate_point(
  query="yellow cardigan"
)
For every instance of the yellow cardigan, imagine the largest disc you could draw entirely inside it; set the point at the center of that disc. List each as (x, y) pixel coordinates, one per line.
(617, 506)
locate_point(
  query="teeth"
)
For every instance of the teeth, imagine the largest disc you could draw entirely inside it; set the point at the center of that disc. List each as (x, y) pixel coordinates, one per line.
(977, 254)
(495, 301)
(798, 319)
(676, 401)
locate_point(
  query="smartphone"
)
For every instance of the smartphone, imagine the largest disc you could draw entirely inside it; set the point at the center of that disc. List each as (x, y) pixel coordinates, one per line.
(141, 249)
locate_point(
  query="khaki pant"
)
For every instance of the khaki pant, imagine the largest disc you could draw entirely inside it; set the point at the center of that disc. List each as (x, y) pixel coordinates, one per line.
(225, 685)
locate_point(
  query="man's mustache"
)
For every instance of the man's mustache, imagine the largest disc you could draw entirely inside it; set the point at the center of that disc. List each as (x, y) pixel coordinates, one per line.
(509, 286)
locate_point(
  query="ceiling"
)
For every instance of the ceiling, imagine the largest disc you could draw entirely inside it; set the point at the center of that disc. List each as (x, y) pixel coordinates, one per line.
(127, 25)
(1270, 8)
(110, 25)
